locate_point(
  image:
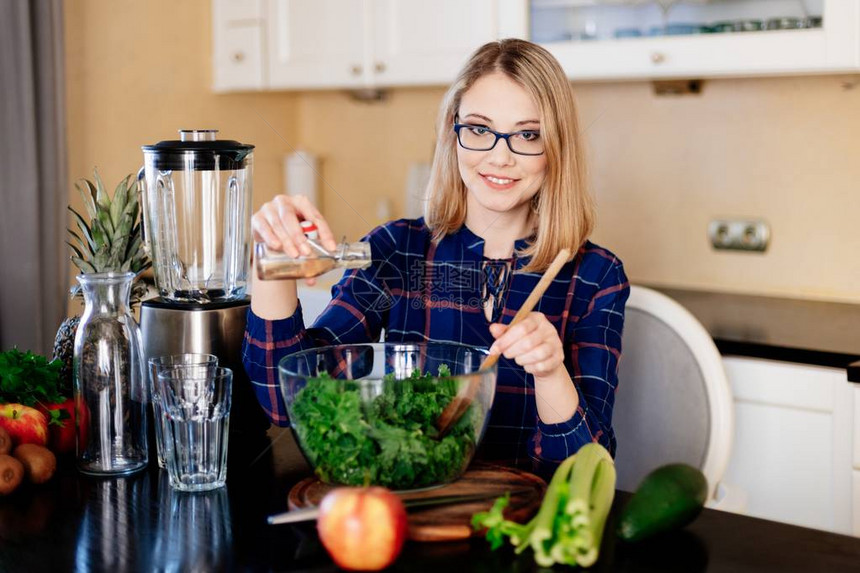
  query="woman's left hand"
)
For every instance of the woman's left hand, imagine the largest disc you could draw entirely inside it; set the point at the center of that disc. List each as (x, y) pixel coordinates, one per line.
(533, 343)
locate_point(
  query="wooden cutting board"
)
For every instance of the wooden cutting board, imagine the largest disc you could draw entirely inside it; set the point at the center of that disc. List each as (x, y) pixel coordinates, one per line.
(451, 522)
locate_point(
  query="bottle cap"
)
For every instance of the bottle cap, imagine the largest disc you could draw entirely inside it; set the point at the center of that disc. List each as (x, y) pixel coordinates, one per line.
(310, 229)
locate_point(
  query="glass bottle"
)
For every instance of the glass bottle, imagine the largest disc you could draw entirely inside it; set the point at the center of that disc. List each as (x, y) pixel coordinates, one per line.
(110, 393)
(277, 265)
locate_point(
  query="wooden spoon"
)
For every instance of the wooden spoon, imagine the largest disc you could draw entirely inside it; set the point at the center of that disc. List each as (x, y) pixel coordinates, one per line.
(461, 402)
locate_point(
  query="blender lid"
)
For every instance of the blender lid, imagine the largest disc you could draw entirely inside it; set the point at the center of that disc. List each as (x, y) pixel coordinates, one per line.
(198, 149)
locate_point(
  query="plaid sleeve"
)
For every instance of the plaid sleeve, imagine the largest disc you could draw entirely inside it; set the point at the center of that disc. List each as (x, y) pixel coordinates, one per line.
(354, 315)
(593, 351)
(266, 342)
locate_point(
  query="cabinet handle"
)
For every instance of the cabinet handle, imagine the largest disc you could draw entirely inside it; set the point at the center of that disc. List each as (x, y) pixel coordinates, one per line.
(238, 57)
(356, 70)
(658, 58)
(379, 67)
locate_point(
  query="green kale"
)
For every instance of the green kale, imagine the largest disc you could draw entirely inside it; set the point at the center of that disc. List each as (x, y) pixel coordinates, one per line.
(390, 440)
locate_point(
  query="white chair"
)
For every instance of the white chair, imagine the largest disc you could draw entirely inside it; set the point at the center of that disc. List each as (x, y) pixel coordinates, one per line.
(674, 403)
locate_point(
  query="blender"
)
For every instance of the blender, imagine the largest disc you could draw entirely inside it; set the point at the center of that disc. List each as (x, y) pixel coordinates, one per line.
(196, 199)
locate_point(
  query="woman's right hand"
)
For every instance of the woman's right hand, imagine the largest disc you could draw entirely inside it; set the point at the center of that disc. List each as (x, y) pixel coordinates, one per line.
(277, 224)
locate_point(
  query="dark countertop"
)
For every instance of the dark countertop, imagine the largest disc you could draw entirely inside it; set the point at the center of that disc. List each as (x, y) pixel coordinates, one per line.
(809, 332)
(140, 524)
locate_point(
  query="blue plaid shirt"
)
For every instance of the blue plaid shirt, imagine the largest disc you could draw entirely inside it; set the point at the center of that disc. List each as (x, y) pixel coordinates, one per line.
(416, 290)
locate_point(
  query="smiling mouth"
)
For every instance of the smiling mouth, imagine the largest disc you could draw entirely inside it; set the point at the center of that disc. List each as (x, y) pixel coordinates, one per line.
(498, 180)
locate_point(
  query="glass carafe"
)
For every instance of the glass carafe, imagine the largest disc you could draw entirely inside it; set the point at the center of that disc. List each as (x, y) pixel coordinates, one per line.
(110, 391)
(197, 216)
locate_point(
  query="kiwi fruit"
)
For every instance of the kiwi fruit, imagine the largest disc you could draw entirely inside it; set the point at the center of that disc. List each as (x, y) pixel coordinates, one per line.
(39, 462)
(5, 442)
(11, 474)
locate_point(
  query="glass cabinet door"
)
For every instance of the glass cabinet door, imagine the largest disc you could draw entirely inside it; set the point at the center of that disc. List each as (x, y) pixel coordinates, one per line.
(616, 39)
(590, 20)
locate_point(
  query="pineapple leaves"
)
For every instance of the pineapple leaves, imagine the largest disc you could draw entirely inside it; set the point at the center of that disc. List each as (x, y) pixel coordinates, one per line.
(111, 241)
(75, 250)
(85, 229)
(101, 197)
(101, 259)
(101, 236)
(106, 223)
(88, 196)
(120, 201)
(82, 247)
(83, 265)
(133, 247)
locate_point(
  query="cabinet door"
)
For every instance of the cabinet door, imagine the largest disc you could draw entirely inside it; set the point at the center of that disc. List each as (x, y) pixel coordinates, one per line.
(237, 46)
(829, 48)
(856, 455)
(317, 43)
(856, 527)
(792, 447)
(421, 42)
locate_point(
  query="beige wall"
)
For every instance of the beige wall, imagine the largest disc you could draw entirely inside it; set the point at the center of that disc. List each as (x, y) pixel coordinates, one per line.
(783, 149)
(365, 151)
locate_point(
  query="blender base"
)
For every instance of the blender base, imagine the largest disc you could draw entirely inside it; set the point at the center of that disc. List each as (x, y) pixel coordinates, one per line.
(218, 328)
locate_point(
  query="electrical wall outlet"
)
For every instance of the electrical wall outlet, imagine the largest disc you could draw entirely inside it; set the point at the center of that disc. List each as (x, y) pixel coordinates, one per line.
(739, 234)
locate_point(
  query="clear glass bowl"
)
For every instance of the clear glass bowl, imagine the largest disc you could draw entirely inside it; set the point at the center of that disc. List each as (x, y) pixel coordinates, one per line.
(367, 413)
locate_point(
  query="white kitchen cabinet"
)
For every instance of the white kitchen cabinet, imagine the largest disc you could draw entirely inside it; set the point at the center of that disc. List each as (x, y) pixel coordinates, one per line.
(856, 457)
(324, 44)
(375, 43)
(857, 427)
(419, 42)
(856, 519)
(237, 45)
(317, 43)
(582, 35)
(792, 451)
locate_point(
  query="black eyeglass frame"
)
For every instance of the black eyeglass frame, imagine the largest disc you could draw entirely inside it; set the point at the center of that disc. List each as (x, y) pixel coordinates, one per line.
(499, 135)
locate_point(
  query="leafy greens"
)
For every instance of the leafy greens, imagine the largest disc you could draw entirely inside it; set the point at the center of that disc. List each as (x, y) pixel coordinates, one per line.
(29, 379)
(389, 440)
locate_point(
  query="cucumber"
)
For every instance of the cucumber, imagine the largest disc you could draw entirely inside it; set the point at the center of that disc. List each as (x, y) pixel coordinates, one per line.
(668, 498)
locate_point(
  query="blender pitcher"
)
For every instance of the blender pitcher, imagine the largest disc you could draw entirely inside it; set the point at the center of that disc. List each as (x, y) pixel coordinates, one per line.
(197, 216)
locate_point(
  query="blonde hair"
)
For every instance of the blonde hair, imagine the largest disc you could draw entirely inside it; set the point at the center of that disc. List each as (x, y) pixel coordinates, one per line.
(565, 209)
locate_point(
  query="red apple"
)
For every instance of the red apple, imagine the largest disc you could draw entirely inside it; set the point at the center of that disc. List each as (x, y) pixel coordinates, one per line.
(61, 426)
(26, 425)
(82, 422)
(362, 528)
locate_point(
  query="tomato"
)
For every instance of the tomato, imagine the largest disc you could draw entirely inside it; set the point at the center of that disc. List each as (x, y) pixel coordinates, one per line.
(61, 428)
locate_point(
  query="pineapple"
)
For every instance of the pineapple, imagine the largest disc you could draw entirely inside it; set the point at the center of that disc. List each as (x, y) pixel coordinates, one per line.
(64, 347)
(111, 242)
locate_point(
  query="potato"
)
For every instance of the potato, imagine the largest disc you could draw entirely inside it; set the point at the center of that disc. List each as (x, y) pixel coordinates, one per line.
(5, 442)
(39, 462)
(11, 474)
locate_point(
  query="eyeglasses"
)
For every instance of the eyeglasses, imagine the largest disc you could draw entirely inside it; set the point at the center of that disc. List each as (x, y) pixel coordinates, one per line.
(481, 138)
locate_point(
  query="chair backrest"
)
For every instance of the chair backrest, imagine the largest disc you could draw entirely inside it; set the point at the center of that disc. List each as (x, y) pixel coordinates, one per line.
(674, 403)
(314, 301)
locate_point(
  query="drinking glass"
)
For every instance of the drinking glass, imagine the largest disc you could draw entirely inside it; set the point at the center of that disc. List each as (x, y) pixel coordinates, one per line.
(156, 365)
(196, 415)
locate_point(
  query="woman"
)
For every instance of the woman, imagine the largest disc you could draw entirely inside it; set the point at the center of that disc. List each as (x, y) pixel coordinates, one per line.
(507, 192)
